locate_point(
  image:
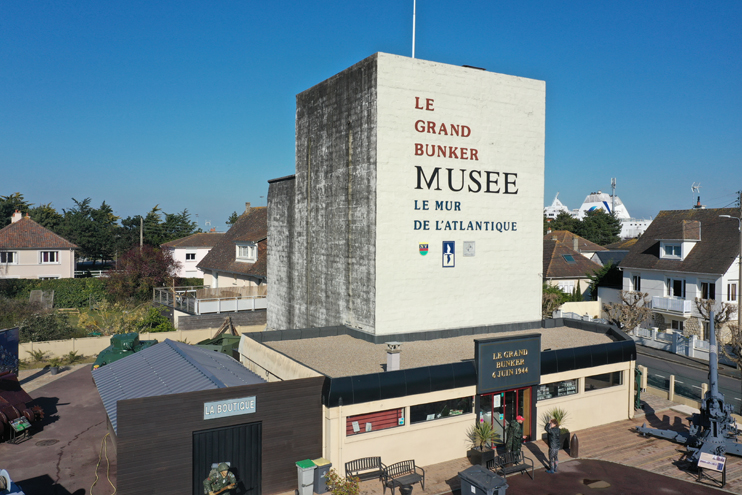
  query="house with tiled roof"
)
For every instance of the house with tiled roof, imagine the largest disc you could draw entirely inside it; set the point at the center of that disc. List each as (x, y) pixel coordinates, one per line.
(579, 244)
(190, 251)
(684, 255)
(239, 258)
(28, 250)
(566, 268)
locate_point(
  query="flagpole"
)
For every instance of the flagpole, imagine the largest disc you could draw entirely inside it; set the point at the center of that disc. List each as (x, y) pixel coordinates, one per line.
(414, 11)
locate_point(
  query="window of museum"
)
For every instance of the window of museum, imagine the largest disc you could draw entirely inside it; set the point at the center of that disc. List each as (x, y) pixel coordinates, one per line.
(48, 257)
(556, 389)
(247, 252)
(382, 420)
(441, 409)
(8, 258)
(605, 380)
(708, 290)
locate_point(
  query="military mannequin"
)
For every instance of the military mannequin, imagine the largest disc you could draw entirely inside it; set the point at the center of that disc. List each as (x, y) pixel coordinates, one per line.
(220, 480)
(515, 435)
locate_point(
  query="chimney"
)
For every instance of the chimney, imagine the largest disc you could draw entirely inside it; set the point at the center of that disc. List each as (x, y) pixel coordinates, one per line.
(247, 208)
(575, 244)
(16, 216)
(393, 350)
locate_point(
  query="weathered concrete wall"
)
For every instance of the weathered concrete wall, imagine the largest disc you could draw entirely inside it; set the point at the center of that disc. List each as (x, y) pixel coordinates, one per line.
(281, 233)
(241, 320)
(330, 252)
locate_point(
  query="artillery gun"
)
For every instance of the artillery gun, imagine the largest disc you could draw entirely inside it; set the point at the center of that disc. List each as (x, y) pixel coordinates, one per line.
(713, 430)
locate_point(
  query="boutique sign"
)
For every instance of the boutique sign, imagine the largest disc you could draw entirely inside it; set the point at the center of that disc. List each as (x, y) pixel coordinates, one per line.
(507, 363)
(229, 407)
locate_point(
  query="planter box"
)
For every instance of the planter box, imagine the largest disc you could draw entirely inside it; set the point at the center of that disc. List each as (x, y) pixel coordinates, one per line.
(480, 457)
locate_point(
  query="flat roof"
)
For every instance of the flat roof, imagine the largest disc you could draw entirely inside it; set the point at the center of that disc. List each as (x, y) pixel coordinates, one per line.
(345, 355)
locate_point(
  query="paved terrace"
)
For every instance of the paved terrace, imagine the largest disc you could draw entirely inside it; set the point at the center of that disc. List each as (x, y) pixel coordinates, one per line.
(343, 355)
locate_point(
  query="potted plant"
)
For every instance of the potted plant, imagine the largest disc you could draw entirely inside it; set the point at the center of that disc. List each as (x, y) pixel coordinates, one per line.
(481, 436)
(54, 364)
(560, 416)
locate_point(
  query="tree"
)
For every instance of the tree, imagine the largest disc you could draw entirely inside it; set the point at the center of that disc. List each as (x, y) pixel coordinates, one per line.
(47, 217)
(9, 204)
(632, 311)
(723, 313)
(600, 227)
(139, 271)
(178, 225)
(608, 276)
(93, 230)
(563, 221)
(551, 298)
(232, 218)
(156, 232)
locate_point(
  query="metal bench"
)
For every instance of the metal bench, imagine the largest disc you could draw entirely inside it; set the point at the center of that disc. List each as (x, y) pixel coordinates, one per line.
(366, 468)
(403, 473)
(511, 462)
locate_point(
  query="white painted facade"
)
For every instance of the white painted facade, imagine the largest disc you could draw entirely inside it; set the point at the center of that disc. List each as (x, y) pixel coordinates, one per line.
(505, 121)
(673, 294)
(30, 263)
(189, 258)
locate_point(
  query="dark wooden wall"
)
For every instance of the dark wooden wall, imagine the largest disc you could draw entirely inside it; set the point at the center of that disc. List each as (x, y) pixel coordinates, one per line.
(154, 444)
(213, 320)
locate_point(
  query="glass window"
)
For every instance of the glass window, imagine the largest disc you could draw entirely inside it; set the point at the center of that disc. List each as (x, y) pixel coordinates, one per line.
(442, 409)
(672, 251)
(382, 420)
(708, 290)
(677, 325)
(8, 257)
(50, 256)
(569, 259)
(190, 256)
(637, 283)
(605, 380)
(247, 252)
(556, 389)
(731, 292)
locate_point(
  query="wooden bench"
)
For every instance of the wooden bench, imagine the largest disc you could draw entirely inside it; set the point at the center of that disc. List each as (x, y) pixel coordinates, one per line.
(511, 462)
(403, 473)
(367, 468)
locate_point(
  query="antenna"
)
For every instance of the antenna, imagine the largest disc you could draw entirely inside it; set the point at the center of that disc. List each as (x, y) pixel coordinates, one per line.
(613, 195)
(414, 11)
(694, 189)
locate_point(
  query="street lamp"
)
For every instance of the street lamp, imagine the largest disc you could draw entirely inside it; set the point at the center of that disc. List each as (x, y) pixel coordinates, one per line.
(739, 280)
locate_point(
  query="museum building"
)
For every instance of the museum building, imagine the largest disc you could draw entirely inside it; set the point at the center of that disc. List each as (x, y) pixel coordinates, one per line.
(404, 262)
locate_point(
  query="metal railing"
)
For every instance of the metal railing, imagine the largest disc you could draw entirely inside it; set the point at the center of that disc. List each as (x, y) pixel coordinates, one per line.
(93, 273)
(575, 316)
(186, 299)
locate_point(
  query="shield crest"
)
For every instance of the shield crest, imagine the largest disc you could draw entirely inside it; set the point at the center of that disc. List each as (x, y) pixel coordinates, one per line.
(423, 249)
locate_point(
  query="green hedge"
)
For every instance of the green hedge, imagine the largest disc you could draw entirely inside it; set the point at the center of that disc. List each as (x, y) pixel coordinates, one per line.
(68, 292)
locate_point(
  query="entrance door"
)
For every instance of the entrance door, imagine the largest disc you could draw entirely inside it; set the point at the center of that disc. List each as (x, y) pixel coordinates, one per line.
(238, 445)
(503, 407)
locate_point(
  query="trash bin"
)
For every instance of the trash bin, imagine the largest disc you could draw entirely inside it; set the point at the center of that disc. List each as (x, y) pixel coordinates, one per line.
(477, 480)
(323, 467)
(305, 470)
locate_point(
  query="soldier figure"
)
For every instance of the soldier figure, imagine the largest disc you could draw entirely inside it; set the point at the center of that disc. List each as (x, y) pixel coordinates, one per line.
(220, 480)
(515, 435)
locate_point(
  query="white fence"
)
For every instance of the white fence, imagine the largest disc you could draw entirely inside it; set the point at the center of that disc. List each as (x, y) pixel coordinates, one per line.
(672, 304)
(186, 299)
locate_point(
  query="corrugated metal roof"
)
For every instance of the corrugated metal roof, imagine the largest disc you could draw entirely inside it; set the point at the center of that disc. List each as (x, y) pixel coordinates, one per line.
(167, 368)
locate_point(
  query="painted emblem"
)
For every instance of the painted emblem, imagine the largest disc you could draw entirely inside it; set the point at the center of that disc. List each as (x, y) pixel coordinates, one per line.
(449, 254)
(423, 249)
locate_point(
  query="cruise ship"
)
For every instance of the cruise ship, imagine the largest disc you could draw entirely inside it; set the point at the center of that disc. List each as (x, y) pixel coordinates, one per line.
(630, 227)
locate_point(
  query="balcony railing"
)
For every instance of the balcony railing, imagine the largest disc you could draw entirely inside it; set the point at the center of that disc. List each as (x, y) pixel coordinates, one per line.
(202, 300)
(671, 304)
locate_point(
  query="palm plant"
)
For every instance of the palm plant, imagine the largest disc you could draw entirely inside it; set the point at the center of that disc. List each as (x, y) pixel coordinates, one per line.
(557, 414)
(481, 434)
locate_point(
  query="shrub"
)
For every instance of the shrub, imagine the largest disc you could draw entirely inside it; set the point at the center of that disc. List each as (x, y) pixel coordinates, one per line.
(337, 485)
(155, 321)
(48, 326)
(68, 292)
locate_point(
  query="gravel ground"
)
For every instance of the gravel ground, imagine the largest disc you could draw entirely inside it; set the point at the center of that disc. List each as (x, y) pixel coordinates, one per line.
(344, 355)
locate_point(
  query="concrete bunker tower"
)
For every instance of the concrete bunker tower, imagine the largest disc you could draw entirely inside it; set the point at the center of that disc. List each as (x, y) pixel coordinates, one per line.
(416, 204)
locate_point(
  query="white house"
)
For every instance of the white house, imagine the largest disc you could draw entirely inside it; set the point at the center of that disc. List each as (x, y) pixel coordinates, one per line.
(189, 251)
(684, 255)
(28, 250)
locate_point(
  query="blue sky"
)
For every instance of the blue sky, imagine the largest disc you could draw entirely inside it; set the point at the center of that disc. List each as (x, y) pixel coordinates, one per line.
(191, 104)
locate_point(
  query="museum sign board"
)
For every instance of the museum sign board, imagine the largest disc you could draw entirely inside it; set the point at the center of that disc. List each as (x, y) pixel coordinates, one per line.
(507, 363)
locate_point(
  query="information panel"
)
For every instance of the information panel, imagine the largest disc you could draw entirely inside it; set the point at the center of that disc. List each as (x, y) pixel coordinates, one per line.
(508, 363)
